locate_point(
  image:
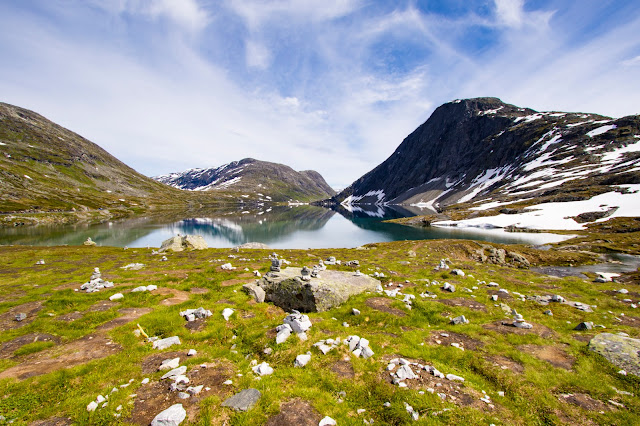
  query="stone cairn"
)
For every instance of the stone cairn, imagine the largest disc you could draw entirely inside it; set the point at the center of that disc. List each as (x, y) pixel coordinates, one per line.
(306, 274)
(518, 321)
(95, 282)
(275, 263)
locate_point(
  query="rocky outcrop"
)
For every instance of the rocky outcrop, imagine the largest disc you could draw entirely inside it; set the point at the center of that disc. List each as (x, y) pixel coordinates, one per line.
(621, 351)
(287, 290)
(498, 256)
(180, 243)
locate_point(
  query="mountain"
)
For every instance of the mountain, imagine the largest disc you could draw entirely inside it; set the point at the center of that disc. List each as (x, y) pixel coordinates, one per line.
(269, 181)
(45, 167)
(484, 149)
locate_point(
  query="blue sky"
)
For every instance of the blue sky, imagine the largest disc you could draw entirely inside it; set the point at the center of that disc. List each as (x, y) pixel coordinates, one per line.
(330, 85)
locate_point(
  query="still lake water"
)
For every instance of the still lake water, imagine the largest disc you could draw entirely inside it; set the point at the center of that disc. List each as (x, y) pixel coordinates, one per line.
(295, 227)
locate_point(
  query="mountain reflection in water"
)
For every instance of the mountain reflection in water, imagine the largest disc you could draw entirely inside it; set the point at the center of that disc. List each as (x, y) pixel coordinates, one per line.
(277, 226)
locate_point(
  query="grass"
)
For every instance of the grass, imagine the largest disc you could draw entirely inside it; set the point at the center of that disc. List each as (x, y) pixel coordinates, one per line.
(532, 393)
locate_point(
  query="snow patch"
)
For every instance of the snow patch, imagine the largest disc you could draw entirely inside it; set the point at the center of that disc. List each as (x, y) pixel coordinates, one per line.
(601, 130)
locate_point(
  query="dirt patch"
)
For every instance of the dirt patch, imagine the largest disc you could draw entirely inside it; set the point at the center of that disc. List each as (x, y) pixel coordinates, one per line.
(464, 302)
(196, 325)
(505, 327)
(102, 306)
(586, 338)
(629, 320)
(382, 304)
(177, 296)
(225, 301)
(501, 295)
(584, 401)
(456, 392)
(505, 363)
(552, 354)
(8, 348)
(128, 315)
(156, 396)
(446, 338)
(199, 290)
(295, 413)
(72, 316)
(343, 369)
(8, 319)
(88, 348)
(234, 281)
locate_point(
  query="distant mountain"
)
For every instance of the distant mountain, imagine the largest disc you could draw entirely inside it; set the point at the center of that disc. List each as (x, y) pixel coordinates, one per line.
(45, 167)
(483, 149)
(267, 181)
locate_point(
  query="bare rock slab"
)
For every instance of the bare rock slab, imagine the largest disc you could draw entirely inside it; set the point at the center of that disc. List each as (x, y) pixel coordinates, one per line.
(172, 416)
(244, 400)
(288, 291)
(180, 243)
(623, 352)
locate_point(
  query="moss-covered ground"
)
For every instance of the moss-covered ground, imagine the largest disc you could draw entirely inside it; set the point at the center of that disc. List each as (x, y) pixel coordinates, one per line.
(536, 370)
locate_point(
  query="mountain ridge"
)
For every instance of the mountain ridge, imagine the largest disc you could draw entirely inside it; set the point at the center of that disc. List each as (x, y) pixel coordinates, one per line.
(475, 149)
(271, 181)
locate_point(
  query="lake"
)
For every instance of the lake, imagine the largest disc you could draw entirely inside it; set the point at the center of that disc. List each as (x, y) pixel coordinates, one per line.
(295, 227)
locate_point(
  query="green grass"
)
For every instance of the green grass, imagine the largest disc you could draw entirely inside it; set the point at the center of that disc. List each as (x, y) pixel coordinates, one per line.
(531, 396)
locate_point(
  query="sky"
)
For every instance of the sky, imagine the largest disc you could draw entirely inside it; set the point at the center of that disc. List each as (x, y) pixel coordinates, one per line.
(329, 85)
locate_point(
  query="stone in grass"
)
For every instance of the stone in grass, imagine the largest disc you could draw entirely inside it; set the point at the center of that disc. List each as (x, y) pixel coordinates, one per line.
(116, 296)
(174, 373)
(298, 322)
(354, 311)
(255, 291)
(263, 369)
(172, 416)
(621, 351)
(284, 331)
(460, 320)
(21, 317)
(327, 421)
(244, 400)
(192, 352)
(449, 287)
(302, 360)
(458, 272)
(92, 406)
(587, 325)
(226, 313)
(453, 377)
(165, 343)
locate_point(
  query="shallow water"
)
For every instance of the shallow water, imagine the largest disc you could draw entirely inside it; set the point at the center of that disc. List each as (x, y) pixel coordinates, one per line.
(279, 227)
(611, 263)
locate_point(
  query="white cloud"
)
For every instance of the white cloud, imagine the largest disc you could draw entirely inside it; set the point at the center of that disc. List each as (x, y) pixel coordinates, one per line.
(509, 12)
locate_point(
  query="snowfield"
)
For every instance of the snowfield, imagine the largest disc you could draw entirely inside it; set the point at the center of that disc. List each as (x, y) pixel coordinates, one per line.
(558, 216)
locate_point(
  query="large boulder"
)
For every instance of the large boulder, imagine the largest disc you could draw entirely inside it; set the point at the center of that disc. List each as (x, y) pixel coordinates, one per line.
(287, 290)
(180, 243)
(623, 352)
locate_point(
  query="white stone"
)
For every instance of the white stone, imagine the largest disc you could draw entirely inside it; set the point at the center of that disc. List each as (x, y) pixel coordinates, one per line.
(169, 364)
(145, 381)
(92, 406)
(175, 372)
(302, 360)
(262, 369)
(172, 416)
(453, 377)
(116, 296)
(327, 421)
(226, 313)
(165, 343)
(299, 323)
(192, 352)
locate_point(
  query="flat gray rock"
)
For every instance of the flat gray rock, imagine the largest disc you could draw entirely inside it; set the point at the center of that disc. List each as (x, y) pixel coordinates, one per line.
(165, 343)
(254, 245)
(180, 243)
(243, 400)
(287, 290)
(172, 416)
(255, 291)
(623, 352)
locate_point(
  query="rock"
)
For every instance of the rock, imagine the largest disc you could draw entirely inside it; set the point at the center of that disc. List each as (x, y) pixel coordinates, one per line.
(195, 390)
(621, 351)
(286, 290)
(253, 246)
(139, 289)
(179, 243)
(89, 242)
(458, 272)
(548, 312)
(169, 364)
(193, 314)
(449, 287)
(133, 266)
(165, 343)
(411, 253)
(116, 296)
(174, 373)
(263, 369)
(354, 311)
(284, 331)
(327, 421)
(302, 360)
(152, 287)
(276, 264)
(244, 400)
(298, 322)
(588, 325)
(255, 291)
(443, 265)
(192, 352)
(20, 317)
(405, 372)
(172, 416)
(92, 406)
(40, 262)
(226, 313)
(227, 267)
(459, 320)
(557, 298)
(305, 274)
(453, 377)
(623, 291)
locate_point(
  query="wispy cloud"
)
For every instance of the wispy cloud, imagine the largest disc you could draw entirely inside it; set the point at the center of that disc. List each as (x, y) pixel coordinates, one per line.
(331, 85)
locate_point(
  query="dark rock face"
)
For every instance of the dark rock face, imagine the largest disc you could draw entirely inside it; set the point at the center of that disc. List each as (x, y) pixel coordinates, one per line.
(474, 148)
(277, 181)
